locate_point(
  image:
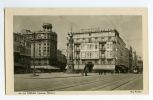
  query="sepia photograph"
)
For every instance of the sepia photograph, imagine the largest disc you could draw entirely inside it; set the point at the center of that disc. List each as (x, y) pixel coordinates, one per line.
(66, 51)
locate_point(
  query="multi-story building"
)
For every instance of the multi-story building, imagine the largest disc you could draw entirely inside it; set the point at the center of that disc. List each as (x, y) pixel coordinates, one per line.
(128, 57)
(61, 58)
(43, 48)
(140, 64)
(135, 60)
(22, 52)
(101, 49)
(127, 61)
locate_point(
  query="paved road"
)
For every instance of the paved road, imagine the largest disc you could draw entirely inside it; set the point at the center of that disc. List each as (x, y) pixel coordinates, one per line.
(93, 82)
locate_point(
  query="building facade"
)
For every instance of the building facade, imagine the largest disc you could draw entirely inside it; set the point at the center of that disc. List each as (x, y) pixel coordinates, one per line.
(128, 57)
(140, 64)
(43, 48)
(133, 59)
(101, 48)
(127, 61)
(22, 53)
(61, 58)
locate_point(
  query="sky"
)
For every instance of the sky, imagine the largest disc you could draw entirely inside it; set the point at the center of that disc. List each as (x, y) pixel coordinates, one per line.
(128, 26)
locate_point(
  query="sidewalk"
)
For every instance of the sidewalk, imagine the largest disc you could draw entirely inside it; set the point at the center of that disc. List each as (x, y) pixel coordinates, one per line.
(50, 76)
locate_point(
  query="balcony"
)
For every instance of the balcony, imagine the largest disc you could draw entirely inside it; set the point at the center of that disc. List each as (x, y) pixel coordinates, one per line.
(77, 50)
(102, 49)
(112, 57)
(77, 58)
(102, 57)
(114, 41)
(102, 42)
(77, 43)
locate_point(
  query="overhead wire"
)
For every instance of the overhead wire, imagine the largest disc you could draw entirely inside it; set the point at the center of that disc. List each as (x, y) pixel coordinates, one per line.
(120, 32)
(111, 23)
(70, 22)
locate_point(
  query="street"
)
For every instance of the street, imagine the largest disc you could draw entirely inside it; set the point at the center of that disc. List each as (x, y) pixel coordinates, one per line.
(77, 82)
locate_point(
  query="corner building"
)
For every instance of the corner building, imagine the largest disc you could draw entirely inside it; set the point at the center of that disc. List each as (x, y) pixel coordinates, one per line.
(45, 44)
(99, 50)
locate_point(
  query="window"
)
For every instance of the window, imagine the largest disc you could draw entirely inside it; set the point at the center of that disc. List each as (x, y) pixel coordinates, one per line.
(89, 34)
(83, 40)
(108, 46)
(109, 61)
(95, 46)
(107, 53)
(83, 62)
(102, 39)
(109, 39)
(96, 39)
(89, 40)
(110, 53)
(39, 62)
(102, 62)
(77, 40)
(96, 62)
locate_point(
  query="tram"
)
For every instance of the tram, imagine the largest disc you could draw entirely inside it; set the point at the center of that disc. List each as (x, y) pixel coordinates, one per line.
(136, 70)
(121, 69)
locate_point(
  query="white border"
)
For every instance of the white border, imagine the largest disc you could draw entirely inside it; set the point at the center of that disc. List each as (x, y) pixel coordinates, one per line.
(77, 3)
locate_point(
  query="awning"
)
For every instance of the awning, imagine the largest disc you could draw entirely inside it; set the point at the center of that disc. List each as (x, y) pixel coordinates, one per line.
(42, 67)
(46, 67)
(80, 67)
(18, 65)
(104, 67)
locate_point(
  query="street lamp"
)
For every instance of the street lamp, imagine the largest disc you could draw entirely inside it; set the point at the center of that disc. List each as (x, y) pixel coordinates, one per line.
(70, 53)
(77, 57)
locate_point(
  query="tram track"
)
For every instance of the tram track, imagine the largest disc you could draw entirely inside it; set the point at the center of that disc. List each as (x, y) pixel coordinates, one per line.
(63, 87)
(82, 85)
(114, 85)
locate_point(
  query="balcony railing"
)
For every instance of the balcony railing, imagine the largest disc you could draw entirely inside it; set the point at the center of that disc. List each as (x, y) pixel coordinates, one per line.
(102, 42)
(102, 57)
(103, 49)
(77, 50)
(77, 43)
(110, 57)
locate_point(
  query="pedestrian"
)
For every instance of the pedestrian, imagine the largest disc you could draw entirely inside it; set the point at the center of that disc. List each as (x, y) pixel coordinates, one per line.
(49, 71)
(65, 69)
(82, 73)
(104, 72)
